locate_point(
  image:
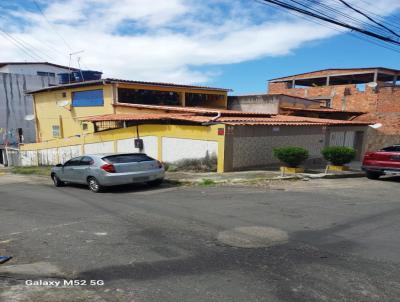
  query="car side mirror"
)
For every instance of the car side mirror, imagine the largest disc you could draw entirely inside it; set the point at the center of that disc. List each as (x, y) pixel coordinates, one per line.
(59, 165)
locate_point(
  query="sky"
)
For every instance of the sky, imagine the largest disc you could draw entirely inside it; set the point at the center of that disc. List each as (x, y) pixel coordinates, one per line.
(231, 44)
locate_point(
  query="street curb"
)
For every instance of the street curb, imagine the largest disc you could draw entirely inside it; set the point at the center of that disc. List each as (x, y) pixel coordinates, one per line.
(323, 176)
(353, 175)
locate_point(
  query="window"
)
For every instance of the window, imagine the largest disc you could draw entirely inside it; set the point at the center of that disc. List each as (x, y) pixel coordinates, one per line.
(56, 130)
(203, 100)
(127, 158)
(84, 126)
(87, 98)
(86, 161)
(147, 97)
(73, 162)
(45, 74)
(391, 149)
(64, 94)
(325, 103)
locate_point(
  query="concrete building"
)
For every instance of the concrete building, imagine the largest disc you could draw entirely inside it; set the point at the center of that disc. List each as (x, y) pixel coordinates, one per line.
(287, 105)
(170, 122)
(15, 79)
(375, 91)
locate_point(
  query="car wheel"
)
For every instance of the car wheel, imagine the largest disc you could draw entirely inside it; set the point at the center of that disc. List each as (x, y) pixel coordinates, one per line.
(156, 182)
(57, 182)
(372, 175)
(94, 185)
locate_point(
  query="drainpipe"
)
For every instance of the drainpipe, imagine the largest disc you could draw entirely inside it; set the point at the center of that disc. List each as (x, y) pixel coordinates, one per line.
(211, 122)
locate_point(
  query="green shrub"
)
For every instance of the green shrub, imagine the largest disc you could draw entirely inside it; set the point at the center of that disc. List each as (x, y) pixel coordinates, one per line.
(338, 156)
(292, 156)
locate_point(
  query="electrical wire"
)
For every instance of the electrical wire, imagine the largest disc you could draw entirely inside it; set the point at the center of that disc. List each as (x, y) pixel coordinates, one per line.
(51, 24)
(369, 18)
(336, 28)
(21, 48)
(322, 16)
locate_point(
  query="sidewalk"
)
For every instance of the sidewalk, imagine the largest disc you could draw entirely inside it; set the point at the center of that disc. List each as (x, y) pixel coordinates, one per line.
(254, 176)
(245, 177)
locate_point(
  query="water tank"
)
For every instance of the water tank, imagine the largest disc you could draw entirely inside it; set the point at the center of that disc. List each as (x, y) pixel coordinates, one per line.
(65, 78)
(86, 75)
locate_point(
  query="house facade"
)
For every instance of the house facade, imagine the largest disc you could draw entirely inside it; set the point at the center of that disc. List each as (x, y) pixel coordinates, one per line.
(374, 91)
(170, 122)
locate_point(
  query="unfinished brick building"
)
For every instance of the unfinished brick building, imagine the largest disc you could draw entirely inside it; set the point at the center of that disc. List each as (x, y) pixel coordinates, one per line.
(375, 91)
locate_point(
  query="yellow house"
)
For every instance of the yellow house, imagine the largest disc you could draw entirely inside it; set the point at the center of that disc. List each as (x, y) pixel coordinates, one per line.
(169, 122)
(59, 109)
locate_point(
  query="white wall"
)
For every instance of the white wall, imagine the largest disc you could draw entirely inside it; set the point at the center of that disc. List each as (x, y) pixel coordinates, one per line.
(31, 69)
(149, 142)
(29, 158)
(174, 149)
(66, 153)
(48, 157)
(96, 148)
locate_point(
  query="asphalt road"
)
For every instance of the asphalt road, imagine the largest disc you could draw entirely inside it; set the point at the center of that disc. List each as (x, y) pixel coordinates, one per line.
(320, 240)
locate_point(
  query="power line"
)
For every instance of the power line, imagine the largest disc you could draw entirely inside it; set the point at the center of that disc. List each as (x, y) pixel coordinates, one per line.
(337, 11)
(21, 46)
(336, 28)
(51, 24)
(333, 21)
(369, 18)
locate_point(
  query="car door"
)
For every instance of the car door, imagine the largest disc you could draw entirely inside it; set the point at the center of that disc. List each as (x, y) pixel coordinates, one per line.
(388, 157)
(68, 169)
(394, 158)
(80, 172)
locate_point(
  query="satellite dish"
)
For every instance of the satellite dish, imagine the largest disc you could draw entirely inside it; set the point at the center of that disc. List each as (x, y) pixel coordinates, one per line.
(29, 117)
(376, 126)
(372, 84)
(62, 103)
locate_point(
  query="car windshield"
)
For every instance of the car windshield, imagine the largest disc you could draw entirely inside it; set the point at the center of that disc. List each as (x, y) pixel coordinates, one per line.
(127, 158)
(391, 149)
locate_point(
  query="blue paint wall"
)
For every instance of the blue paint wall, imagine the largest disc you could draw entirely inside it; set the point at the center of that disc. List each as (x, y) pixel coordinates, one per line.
(88, 98)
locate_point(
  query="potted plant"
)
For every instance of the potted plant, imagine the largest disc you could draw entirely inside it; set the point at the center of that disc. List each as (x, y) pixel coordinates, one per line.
(338, 157)
(293, 157)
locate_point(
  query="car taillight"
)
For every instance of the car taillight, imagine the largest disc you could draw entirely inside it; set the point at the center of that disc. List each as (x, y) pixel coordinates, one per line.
(108, 168)
(160, 165)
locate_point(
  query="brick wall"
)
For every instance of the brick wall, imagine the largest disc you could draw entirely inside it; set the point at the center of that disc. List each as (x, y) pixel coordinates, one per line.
(382, 106)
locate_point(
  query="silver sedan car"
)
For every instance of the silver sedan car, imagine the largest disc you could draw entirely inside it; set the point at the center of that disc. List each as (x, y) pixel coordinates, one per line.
(102, 170)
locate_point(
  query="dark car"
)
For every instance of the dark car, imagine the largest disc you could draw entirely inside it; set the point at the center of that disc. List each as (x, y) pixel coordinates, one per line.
(381, 162)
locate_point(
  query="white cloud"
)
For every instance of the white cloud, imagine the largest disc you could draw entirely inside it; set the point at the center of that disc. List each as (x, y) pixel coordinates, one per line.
(162, 40)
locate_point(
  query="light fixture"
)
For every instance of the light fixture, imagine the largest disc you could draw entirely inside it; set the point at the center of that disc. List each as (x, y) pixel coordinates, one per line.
(376, 126)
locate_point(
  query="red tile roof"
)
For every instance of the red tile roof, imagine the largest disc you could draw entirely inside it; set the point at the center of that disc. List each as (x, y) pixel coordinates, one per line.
(229, 120)
(322, 109)
(147, 117)
(287, 120)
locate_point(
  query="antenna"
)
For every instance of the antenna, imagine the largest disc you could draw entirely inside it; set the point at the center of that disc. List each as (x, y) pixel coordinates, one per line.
(29, 117)
(70, 59)
(62, 103)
